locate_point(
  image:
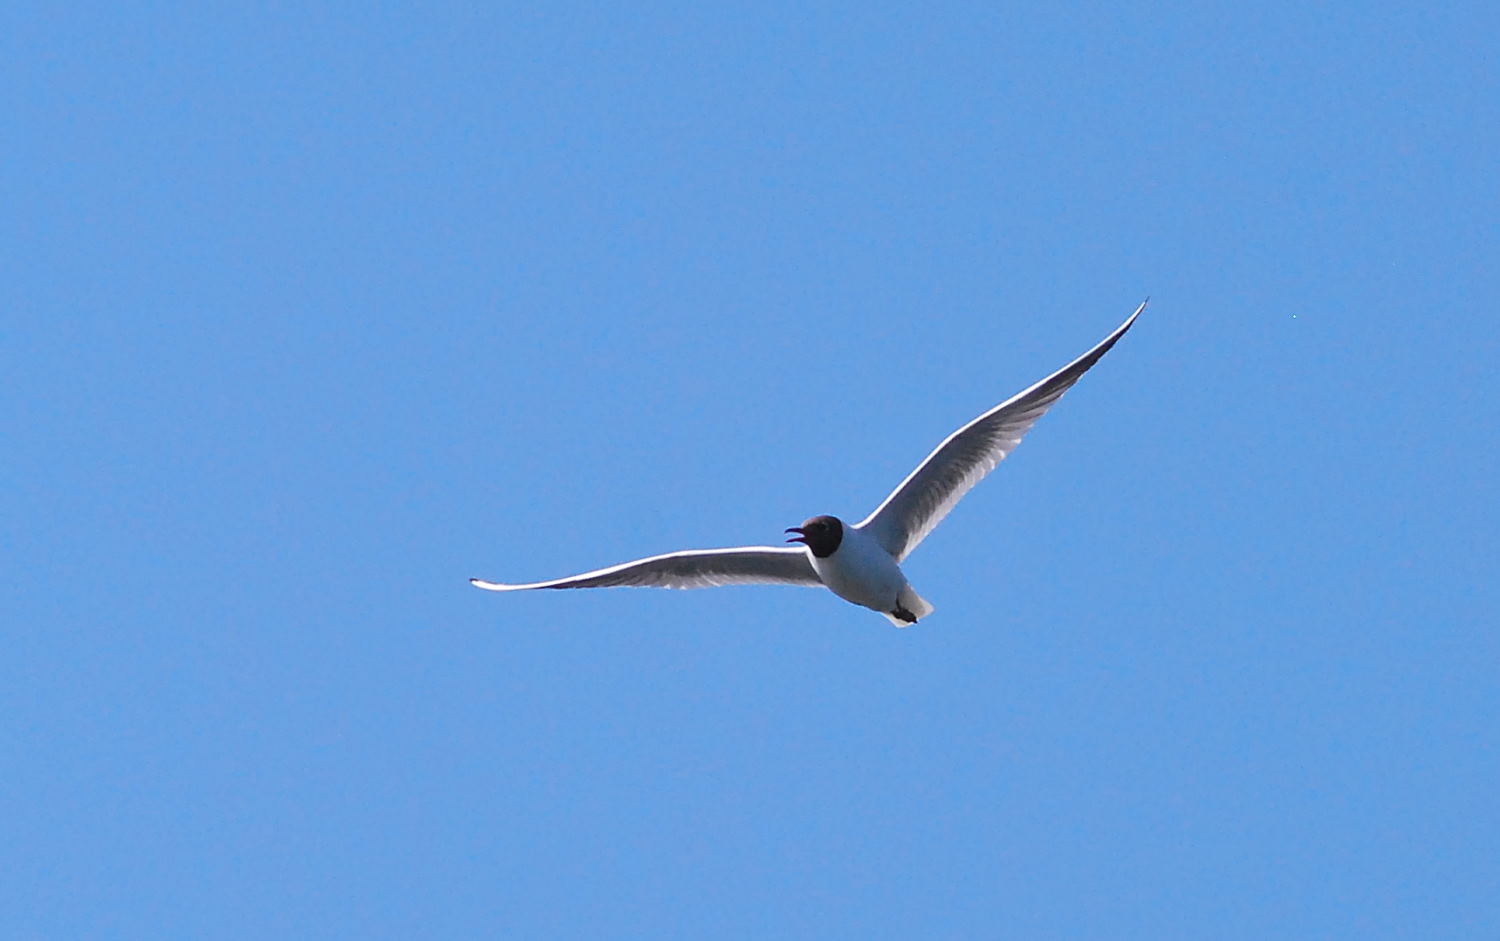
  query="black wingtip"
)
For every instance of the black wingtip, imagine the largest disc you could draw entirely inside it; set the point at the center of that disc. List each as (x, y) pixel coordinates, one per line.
(1130, 321)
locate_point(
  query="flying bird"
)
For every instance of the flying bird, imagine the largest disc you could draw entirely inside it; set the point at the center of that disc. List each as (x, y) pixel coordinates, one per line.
(860, 563)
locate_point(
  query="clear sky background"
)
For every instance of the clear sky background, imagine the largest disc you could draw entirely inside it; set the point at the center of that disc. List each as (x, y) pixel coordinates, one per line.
(310, 312)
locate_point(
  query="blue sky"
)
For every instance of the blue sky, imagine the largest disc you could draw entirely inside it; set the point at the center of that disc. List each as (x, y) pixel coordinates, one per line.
(311, 312)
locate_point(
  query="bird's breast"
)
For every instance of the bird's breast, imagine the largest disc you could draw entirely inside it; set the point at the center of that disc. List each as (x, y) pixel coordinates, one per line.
(861, 571)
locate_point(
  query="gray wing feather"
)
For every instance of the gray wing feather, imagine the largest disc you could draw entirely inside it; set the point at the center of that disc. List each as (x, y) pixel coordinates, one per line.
(694, 568)
(971, 452)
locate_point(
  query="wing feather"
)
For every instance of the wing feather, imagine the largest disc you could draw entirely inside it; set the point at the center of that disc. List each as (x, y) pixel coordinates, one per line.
(693, 568)
(928, 493)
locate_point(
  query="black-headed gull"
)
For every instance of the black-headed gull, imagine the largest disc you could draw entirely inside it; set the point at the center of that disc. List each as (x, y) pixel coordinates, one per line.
(860, 563)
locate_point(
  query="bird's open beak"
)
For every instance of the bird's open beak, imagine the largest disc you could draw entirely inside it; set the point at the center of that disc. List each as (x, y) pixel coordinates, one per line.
(800, 537)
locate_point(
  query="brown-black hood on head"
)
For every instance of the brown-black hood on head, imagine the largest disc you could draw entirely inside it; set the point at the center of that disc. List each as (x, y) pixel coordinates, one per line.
(821, 534)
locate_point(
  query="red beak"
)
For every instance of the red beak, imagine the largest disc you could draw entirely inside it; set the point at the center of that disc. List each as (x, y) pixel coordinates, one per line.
(800, 537)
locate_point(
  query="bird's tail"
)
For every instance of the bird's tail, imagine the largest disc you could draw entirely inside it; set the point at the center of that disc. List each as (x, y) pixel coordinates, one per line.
(912, 603)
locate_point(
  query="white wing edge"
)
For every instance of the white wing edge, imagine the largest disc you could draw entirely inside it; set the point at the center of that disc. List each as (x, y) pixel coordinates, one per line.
(778, 567)
(498, 586)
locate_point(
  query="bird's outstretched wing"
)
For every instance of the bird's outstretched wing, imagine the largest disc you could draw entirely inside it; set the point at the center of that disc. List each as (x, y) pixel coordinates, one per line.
(971, 452)
(694, 568)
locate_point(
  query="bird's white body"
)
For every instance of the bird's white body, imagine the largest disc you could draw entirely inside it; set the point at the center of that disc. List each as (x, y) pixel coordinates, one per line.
(860, 570)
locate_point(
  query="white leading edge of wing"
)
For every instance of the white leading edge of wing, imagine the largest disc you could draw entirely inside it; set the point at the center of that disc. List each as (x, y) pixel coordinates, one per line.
(692, 568)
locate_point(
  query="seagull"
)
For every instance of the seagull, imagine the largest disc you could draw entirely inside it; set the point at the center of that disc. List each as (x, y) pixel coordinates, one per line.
(860, 563)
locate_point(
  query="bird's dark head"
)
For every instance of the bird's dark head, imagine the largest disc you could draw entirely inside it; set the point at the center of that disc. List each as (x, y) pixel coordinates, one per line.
(821, 534)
